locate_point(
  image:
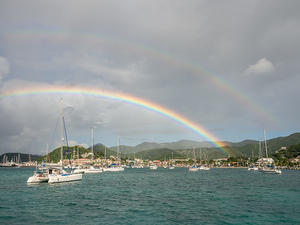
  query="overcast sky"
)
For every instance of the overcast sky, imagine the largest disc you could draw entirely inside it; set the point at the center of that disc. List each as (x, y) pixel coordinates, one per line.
(229, 66)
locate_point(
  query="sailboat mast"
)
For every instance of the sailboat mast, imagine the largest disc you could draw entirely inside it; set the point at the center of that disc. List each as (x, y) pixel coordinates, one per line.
(259, 150)
(118, 149)
(61, 132)
(194, 155)
(47, 153)
(200, 155)
(266, 144)
(77, 152)
(92, 143)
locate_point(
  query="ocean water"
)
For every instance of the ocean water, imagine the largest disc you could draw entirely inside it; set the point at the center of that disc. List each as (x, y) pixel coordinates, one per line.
(163, 196)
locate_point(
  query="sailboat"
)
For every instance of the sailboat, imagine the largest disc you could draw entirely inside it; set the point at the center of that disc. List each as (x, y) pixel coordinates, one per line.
(203, 167)
(115, 167)
(251, 166)
(194, 168)
(153, 167)
(269, 168)
(60, 175)
(40, 175)
(92, 169)
(172, 167)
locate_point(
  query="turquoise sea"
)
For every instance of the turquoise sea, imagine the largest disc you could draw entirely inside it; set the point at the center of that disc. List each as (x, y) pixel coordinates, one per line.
(163, 196)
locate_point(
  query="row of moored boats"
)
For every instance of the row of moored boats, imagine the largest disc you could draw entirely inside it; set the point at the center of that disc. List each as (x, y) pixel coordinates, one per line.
(60, 175)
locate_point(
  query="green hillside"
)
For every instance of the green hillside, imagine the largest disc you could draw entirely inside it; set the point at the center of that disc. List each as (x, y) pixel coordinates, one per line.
(54, 156)
(273, 145)
(184, 150)
(24, 157)
(99, 151)
(283, 156)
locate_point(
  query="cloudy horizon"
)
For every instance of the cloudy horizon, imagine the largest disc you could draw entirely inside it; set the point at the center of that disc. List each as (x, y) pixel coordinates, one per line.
(230, 67)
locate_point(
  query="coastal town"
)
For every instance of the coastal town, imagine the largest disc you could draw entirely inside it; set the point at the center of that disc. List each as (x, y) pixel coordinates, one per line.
(90, 158)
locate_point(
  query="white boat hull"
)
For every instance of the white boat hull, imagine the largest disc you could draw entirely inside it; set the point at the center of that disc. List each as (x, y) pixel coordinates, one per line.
(153, 167)
(253, 168)
(274, 171)
(113, 169)
(204, 168)
(60, 178)
(35, 179)
(79, 171)
(91, 171)
(192, 169)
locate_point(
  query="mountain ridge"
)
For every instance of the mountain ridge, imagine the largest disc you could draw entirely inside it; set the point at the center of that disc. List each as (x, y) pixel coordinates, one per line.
(183, 149)
(189, 144)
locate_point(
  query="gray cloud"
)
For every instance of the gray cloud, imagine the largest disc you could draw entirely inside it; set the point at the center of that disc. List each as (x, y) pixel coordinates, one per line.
(4, 68)
(231, 67)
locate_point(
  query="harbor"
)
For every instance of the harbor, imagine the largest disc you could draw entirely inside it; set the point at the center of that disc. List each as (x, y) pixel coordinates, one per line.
(144, 196)
(149, 112)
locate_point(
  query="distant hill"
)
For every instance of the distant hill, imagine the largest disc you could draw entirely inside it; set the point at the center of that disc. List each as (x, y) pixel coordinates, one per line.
(180, 149)
(54, 156)
(184, 148)
(275, 143)
(245, 148)
(165, 153)
(178, 145)
(24, 157)
(242, 146)
(99, 150)
(242, 143)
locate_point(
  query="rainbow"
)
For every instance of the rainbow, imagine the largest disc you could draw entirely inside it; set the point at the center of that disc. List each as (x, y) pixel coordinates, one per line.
(199, 130)
(140, 48)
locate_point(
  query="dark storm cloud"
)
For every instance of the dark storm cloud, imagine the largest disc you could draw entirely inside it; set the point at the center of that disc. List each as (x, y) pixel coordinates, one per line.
(169, 52)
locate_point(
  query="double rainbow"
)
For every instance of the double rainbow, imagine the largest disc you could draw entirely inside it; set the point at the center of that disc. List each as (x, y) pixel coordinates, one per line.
(140, 48)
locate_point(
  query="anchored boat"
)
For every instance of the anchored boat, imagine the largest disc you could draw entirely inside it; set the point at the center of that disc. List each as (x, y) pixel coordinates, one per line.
(61, 175)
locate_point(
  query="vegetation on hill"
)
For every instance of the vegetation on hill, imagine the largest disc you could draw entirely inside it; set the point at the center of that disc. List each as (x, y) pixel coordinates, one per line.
(284, 156)
(237, 151)
(99, 151)
(54, 156)
(24, 157)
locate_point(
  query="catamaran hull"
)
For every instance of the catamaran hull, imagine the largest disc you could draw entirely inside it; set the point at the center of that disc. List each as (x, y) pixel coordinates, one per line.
(37, 180)
(64, 178)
